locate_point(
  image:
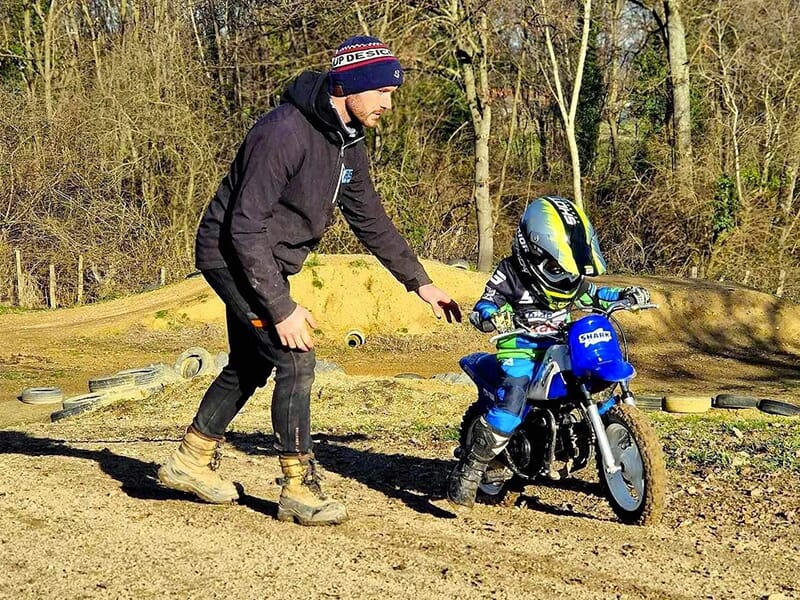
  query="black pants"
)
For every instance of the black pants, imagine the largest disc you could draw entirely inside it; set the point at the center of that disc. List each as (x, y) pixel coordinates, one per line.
(254, 353)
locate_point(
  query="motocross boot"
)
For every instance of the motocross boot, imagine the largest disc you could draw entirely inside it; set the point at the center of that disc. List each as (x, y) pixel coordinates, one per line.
(301, 498)
(193, 468)
(462, 484)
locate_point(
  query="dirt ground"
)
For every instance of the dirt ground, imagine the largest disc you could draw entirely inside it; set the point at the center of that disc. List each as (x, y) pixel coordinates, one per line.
(82, 516)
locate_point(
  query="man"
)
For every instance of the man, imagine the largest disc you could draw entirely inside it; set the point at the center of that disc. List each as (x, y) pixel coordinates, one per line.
(296, 164)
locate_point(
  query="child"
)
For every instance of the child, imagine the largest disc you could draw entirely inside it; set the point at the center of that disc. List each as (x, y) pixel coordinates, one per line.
(555, 246)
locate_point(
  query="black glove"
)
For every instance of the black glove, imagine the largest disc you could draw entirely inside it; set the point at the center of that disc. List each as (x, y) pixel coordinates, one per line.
(484, 325)
(636, 294)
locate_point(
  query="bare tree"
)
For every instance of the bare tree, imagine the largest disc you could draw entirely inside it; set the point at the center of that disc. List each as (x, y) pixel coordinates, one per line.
(568, 109)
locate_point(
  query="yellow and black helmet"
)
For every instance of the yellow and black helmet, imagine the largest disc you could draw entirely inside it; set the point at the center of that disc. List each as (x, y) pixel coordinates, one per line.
(557, 246)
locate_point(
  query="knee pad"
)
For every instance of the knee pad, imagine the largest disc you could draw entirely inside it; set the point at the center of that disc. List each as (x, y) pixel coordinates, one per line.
(502, 421)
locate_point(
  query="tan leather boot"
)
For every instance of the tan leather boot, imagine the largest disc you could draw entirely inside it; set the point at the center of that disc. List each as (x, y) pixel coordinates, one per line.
(302, 499)
(193, 468)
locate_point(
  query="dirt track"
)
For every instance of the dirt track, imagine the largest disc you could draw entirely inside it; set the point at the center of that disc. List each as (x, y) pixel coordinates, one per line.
(81, 515)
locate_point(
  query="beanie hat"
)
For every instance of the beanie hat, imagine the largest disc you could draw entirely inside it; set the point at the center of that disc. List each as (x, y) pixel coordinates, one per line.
(363, 63)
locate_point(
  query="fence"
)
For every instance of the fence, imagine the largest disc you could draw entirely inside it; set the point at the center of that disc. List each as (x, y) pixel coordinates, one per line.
(30, 292)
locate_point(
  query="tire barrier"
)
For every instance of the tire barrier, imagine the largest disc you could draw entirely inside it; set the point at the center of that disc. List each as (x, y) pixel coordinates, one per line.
(649, 402)
(687, 404)
(78, 405)
(734, 401)
(195, 361)
(354, 338)
(113, 382)
(776, 407)
(143, 375)
(42, 395)
(459, 263)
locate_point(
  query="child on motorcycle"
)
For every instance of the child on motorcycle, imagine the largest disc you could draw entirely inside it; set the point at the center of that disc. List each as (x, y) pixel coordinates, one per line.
(554, 248)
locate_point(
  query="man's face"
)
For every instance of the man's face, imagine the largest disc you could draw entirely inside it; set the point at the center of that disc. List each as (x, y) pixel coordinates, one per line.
(367, 107)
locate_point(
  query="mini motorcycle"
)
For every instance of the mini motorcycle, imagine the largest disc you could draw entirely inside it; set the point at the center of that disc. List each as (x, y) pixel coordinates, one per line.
(579, 408)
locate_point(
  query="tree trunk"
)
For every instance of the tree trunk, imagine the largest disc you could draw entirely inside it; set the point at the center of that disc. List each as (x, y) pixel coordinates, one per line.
(682, 118)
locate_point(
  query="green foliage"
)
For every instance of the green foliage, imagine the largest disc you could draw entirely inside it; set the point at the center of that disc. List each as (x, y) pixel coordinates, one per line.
(649, 101)
(725, 204)
(313, 260)
(591, 102)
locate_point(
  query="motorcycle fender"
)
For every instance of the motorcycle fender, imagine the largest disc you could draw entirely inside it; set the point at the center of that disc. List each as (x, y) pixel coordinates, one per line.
(549, 383)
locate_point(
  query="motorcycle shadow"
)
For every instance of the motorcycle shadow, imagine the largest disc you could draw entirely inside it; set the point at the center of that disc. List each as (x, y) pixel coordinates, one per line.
(530, 500)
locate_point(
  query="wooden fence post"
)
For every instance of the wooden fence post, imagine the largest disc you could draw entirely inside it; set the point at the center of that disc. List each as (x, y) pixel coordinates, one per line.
(53, 303)
(162, 276)
(18, 264)
(746, 277)
(80, 280)
(694, 272)
(781, 281)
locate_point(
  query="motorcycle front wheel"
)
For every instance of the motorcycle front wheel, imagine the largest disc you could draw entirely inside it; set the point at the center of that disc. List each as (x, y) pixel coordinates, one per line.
(636, 492)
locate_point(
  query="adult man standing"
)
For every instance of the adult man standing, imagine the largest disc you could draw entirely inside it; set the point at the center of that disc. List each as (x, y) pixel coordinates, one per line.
(297, 163)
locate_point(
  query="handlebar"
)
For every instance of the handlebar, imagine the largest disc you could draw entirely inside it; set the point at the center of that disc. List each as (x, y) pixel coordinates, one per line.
(557, 323)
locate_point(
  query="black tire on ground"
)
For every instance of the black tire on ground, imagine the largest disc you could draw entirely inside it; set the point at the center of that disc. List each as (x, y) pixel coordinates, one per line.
(508, 494)
(75, 409)
(90, 398)
(776, 407)
(42, 395)
(112, 382)
(631, 424)
(459, 263)
(734, 401)
(647, 402)
(143, 375)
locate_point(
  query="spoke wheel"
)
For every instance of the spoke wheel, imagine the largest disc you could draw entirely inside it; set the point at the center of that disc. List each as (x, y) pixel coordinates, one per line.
(636, 492)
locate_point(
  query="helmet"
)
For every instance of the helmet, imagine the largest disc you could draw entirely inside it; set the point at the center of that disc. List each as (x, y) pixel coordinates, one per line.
(556, 245)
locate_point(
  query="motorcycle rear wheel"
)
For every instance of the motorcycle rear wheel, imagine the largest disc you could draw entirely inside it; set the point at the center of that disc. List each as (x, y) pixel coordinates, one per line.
(636, 493)
(503, 493)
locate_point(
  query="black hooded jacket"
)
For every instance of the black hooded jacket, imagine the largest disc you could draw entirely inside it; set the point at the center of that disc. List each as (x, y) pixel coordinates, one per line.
(295, 165)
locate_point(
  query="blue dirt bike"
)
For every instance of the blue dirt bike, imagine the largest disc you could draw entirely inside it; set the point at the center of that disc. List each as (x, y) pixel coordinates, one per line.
(580, 407)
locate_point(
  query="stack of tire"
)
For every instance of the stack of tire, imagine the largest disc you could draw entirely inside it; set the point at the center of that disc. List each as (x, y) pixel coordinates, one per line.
(700, 404)
(128, 384)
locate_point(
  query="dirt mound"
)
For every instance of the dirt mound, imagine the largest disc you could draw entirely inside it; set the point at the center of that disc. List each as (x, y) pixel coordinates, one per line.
(707, 337)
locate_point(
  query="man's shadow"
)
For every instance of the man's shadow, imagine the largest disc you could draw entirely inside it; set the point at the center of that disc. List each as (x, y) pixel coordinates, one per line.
(136, 476)
(415, 481)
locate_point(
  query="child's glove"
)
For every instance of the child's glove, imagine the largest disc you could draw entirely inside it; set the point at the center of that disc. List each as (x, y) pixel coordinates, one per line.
(484, 325)
(636, 294)
(503, 321)
(481, 316)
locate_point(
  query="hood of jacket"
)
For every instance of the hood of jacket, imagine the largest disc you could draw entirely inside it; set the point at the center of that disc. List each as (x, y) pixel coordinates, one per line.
(309, 93)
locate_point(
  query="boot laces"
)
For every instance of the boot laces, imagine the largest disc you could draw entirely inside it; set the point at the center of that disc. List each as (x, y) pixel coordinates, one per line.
(216, 459)
(312, 478)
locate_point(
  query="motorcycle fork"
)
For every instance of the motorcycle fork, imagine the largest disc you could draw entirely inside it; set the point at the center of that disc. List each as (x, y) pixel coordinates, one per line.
(626, 396)
(607, 456)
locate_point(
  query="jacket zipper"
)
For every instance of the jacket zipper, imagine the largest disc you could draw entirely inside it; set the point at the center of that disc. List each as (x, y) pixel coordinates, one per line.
(341, 163)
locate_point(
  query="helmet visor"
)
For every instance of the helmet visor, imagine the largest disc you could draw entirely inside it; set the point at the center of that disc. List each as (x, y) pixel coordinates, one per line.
(557, 276)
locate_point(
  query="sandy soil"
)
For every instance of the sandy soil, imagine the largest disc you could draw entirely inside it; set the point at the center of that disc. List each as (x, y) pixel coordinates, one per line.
(81, 515)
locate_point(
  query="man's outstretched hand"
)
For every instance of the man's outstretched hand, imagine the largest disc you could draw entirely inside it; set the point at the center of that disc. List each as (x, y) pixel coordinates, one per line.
(441, 303)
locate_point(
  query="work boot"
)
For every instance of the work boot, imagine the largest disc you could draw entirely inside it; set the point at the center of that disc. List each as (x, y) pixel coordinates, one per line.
(302, 499)
(193, 468)
(463, 481)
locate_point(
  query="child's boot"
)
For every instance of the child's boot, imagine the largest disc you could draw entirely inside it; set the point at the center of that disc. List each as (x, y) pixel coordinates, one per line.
(462, 484)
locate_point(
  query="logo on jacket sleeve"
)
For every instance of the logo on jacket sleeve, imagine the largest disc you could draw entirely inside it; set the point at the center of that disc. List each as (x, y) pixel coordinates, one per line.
(347, 175)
